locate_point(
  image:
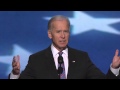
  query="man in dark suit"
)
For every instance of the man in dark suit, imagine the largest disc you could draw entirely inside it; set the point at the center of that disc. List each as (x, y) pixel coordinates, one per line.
(45, 64)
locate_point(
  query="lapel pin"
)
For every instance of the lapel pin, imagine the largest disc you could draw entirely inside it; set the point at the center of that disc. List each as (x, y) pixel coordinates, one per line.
(73, 61)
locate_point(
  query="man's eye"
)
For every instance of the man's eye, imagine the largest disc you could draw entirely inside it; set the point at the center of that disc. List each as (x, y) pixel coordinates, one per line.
(58, 31)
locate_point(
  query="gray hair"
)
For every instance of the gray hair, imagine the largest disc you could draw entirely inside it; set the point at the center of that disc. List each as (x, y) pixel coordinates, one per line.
(57, 18)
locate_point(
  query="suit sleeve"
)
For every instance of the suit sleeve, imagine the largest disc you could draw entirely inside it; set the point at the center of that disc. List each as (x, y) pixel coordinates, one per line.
(93, 72)
(28, 72)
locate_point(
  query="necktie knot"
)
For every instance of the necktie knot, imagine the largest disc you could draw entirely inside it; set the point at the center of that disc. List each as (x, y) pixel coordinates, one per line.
(60, 53)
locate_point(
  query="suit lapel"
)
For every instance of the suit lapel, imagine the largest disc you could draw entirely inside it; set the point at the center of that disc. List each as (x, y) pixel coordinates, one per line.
(72, 62)
(51, 64)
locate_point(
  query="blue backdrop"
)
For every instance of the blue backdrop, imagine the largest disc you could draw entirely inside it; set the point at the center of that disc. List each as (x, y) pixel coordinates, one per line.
(25, 32)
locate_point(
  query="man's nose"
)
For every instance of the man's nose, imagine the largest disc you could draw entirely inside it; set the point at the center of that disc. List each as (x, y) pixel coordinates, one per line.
(62, 34)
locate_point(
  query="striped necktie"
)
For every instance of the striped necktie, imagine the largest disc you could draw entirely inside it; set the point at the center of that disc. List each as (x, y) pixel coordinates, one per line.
(61, 67)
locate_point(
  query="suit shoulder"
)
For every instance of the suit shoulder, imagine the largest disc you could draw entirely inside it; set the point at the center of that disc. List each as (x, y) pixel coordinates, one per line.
(38, 53)
(35, 57)
(73, 50)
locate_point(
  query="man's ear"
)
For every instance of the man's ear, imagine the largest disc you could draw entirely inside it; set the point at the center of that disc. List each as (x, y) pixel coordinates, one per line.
(49, 34)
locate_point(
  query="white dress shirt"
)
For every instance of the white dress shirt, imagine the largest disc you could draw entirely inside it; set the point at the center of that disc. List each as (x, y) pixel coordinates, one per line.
(115, 71)
(64, 55)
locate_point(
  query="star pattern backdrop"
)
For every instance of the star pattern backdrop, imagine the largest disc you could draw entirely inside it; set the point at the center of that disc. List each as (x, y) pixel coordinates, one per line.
(25, 32)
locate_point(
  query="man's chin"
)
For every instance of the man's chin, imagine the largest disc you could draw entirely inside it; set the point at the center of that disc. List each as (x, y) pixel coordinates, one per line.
(62, 47)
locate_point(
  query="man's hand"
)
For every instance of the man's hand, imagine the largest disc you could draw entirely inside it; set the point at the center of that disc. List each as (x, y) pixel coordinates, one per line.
(16, 65)
(116, 60)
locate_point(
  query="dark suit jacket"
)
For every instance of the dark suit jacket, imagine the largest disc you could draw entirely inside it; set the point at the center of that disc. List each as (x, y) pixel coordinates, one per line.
(41, 66)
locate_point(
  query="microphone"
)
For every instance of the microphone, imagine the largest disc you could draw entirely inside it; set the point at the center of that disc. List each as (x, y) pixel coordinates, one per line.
(60, 61)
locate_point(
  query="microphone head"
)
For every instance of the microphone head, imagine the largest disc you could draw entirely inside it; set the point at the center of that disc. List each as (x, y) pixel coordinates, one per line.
(60, 59)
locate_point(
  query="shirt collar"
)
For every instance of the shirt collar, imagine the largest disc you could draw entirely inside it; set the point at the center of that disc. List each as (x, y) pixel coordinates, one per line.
(55, 51)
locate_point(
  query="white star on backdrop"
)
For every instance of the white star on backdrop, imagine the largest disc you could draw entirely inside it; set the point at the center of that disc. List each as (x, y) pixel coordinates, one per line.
(17, 50)
(82, 22)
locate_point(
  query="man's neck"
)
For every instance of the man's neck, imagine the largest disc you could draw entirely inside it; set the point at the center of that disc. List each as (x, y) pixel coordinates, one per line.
(60, 49)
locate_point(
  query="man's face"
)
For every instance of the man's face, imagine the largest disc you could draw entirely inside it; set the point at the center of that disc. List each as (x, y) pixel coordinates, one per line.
(59, 34)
